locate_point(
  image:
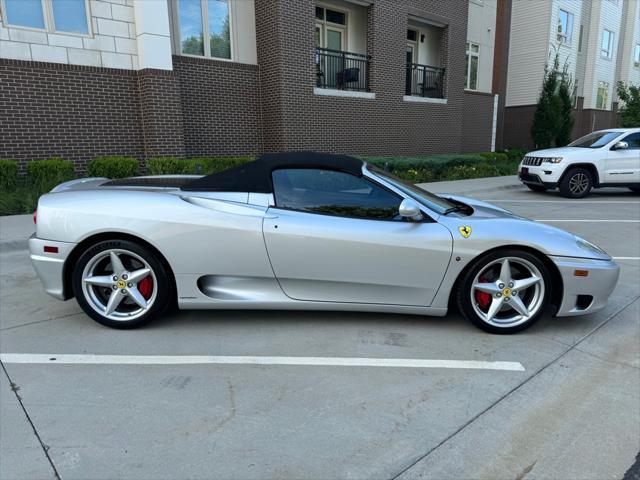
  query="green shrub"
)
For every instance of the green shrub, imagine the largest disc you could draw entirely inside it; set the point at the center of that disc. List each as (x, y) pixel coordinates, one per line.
(494, 155)
(166, 166)
(193, 166)
(515, 153)
(43, 175)
(8, 175)
(21, 200)
(427, 169)
(113, 167)
(209, 165)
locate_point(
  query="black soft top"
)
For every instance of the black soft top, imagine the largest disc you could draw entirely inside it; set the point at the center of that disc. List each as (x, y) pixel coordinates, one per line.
(256, 176)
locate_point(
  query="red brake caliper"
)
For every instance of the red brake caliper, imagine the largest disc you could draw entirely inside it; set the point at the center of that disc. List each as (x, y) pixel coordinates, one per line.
(483, 298)
(145, 286)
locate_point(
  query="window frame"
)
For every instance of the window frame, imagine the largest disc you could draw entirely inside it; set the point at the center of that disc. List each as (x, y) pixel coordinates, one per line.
(470, 53)
(324, 24)
(204, 12)
(625, 140)
(365, 178)
(636, 56)
(608, 53)
(49, 20)
(565, 37)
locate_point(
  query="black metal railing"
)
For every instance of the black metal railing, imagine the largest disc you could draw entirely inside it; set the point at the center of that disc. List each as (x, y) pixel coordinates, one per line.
(425, 81)
(342, 70)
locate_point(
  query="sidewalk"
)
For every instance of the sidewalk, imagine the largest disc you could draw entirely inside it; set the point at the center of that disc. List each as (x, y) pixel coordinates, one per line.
(16, 229)
(466, 187)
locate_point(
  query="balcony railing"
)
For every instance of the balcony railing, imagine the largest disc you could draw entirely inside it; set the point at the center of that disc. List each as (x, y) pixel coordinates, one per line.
(425, 81)
(342, 70)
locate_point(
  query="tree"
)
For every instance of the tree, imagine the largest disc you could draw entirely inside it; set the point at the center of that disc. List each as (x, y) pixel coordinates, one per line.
(630, 112)
(553, 118)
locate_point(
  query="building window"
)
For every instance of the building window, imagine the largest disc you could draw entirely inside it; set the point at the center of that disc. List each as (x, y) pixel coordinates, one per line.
(331, 29)
(471, 66)
(602, 98)
(606, 48)
(69, 16)
(195, 17)
(636, 56)
(565, 27)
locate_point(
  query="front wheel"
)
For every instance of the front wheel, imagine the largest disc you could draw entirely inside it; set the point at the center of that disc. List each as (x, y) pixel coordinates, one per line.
(576, 183)
(504, 291)
(536, 188)
(121, 284)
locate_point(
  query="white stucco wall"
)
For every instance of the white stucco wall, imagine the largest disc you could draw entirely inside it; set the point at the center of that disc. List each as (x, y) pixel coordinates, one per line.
(481, 29)
(111, 41)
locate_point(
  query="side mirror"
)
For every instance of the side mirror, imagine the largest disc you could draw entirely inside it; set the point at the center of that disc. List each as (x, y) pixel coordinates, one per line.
(621, 146)
(410, 209)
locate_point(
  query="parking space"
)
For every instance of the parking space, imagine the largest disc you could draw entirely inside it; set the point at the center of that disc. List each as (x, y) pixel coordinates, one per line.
(571, 411)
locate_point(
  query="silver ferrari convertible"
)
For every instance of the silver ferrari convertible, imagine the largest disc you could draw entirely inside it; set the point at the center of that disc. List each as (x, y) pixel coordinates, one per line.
(306, 231)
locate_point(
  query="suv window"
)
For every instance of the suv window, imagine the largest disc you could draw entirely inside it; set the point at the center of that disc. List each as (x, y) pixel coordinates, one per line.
(333, 193)
(633, 140)
(595, 140)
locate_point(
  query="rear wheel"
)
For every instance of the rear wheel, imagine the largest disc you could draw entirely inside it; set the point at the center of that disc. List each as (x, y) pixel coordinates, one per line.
(536, 188)
(576, 183)
(121, 284)
(504, 291)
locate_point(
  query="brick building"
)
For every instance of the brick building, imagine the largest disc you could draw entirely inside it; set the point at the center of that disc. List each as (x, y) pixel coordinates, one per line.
(194, 78)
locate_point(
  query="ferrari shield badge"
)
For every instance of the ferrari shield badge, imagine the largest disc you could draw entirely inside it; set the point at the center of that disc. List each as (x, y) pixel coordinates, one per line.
(465, 231)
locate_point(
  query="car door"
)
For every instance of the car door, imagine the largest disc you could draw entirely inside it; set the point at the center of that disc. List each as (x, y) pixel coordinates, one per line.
(337, 237)
(623, 165)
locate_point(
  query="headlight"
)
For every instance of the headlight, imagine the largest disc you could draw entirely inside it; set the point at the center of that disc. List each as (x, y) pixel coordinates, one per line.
(590, 247)
(552, 160)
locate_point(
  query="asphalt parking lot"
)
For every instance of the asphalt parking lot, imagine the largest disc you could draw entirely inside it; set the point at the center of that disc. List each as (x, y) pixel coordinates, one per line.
(572, 411)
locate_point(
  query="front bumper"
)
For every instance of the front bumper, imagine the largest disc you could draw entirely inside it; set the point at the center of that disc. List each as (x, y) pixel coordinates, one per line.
(50, 266)
(547, 175)
(583, 295)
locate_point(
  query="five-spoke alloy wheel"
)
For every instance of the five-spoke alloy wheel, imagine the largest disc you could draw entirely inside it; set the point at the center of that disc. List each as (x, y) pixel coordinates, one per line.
(121, 284)
(505, 291)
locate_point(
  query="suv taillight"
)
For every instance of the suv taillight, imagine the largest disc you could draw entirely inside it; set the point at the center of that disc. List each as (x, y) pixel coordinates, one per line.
(35, 216)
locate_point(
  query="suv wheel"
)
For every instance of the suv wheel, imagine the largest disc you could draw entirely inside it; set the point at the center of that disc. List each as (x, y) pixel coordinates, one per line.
(576, 183)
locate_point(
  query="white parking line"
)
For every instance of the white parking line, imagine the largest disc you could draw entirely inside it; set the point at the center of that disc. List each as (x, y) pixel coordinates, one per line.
(574, 202)
(555, 220)
(35, 358)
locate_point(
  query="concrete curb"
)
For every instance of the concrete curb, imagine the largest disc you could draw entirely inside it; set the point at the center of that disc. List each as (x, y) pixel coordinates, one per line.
(9, 246)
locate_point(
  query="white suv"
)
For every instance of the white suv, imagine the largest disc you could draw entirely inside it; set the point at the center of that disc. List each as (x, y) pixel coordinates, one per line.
(607, 158)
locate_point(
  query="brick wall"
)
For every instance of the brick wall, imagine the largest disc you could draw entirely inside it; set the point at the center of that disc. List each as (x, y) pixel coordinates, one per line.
(73, 112)
(477, 122)
(220, 107)
(386, 125)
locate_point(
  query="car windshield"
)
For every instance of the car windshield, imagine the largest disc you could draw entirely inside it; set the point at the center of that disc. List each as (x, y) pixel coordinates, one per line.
(428, 199)
(595, 139)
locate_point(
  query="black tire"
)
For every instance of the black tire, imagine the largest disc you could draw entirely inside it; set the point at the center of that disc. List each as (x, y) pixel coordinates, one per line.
(635, 189)
(465, 290)
(132, 255)
(536, 188)
(576, 183)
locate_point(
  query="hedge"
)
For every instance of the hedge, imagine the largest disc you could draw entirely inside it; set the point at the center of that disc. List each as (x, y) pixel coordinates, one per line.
(43, 175)
(196, 166)
(8, 175)
(113, 167)
(447, 167)
(20, 195)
